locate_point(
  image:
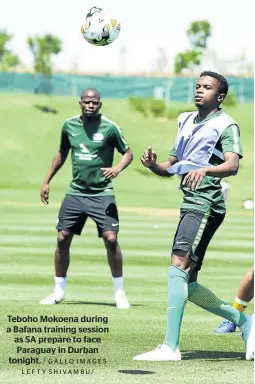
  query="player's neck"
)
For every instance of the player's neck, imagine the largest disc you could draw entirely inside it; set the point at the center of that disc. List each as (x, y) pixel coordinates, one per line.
(204, 113)
(89, 119)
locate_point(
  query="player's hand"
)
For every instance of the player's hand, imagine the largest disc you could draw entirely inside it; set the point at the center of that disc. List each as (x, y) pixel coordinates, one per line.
(193, 179)
(45, 191)
(110, 173)
(148, 158)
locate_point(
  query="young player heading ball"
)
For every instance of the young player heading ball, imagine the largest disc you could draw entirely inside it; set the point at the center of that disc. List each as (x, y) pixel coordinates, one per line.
(207, 149)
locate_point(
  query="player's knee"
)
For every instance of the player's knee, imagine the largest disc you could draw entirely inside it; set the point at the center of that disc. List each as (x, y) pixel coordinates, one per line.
(180, 259)
(110, 239)
(64, 238)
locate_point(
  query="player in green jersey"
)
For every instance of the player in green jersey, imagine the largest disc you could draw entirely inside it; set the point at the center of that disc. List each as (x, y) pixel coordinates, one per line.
(92, 139)
(207, 149)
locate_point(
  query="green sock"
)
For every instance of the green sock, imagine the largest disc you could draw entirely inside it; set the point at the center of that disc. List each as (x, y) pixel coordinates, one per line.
(177, 298)
(205, 299)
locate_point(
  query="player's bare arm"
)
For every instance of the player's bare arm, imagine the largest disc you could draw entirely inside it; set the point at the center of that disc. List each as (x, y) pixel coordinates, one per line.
(111, 173)
(149, 160)
(229, 168)
(58, 161)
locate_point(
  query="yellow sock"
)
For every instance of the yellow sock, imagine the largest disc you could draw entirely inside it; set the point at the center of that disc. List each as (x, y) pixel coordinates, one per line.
(240, 305)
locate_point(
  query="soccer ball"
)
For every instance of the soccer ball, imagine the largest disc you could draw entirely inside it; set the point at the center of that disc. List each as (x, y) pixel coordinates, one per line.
(99, 28)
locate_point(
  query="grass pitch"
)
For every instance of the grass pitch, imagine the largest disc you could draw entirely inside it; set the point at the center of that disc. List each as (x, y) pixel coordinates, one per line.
(148, 208)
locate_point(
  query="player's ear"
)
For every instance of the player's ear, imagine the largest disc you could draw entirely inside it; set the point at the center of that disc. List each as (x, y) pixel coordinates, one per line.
(221, 97)
(80, 103)
(100, 105)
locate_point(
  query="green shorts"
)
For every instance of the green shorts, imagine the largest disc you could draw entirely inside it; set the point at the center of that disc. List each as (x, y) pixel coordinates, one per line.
(75, 210)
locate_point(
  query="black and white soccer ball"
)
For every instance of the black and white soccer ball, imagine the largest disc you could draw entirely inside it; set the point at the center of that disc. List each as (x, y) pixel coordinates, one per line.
(100, 29)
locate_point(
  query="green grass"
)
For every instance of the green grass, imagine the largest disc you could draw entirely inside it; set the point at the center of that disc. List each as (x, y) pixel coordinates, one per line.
(30, 139)
(28, 238)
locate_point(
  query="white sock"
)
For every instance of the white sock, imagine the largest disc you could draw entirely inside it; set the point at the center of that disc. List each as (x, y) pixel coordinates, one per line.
(118, 283)
(60, 284)
(242, 302)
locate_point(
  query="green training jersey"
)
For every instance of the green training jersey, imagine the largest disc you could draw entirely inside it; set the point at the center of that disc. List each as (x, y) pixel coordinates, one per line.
(92, 147)
(208, 196)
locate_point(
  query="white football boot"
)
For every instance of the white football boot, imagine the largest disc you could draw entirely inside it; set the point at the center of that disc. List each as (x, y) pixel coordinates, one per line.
(121, 300)
(54, 298)
(162, 353)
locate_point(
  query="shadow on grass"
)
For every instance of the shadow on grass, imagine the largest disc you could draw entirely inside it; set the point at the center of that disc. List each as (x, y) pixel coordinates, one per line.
(96, 303)
(212, 355)
(45, 108)
(135, 372)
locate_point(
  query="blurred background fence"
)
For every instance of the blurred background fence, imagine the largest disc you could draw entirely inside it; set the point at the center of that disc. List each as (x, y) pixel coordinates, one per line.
(176, 89)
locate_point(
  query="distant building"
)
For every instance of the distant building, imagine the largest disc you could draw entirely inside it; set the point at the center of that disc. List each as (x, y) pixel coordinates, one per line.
(236, 66)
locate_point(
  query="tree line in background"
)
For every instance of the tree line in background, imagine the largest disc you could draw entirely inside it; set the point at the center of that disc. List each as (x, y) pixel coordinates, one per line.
(42, 49)
(7, 58)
